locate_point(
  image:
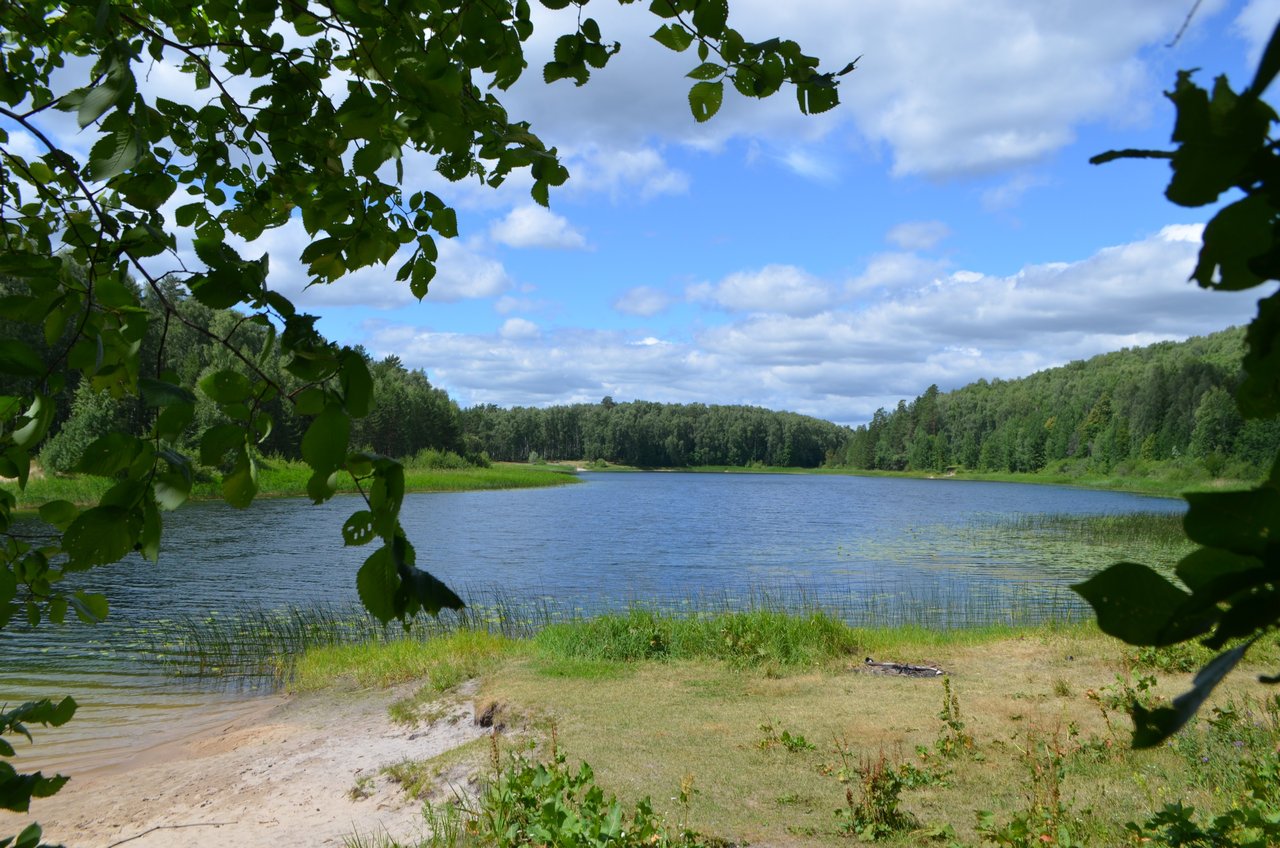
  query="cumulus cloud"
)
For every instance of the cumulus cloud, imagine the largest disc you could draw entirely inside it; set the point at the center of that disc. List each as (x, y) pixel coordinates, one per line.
(635, 173)
(774, 288)
(841, 364)
(918, 235)
(518, 328)
(535, 226)
(643, 301)
(946, 88)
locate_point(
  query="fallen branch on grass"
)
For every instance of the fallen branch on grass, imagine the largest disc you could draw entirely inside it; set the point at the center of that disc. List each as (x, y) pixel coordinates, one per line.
(901, 669)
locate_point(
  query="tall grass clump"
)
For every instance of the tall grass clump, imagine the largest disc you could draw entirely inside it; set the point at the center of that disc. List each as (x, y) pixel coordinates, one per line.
(443, 661)
(752, 637)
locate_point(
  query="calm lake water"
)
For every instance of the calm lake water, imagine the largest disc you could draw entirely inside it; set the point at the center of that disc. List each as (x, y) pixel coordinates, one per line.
(874, 549)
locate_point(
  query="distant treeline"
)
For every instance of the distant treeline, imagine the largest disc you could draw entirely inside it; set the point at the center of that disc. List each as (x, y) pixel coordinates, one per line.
(1168, 401)
(409, 414)
(654, 435)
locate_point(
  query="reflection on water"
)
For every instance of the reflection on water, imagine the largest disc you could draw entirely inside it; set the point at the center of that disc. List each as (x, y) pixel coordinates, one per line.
(875, 550)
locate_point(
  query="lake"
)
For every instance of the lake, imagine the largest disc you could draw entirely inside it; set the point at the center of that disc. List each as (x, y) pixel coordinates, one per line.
(875, 550)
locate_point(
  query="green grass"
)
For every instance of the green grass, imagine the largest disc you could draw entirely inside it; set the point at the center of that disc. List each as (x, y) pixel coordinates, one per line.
(754, 637)
(443, 662)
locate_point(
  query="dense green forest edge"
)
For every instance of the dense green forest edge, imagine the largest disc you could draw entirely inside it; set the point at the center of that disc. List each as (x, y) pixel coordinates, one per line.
(1167, 407)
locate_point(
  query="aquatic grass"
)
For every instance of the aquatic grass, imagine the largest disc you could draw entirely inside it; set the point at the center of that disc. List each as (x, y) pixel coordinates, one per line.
(1083, 541)
(253, 642)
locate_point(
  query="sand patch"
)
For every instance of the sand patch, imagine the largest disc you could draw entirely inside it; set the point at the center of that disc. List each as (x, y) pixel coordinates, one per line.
(276, 779)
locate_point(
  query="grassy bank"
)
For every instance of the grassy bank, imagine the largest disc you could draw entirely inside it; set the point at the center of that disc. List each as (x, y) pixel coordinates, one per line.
(286, 479)
(766, 729)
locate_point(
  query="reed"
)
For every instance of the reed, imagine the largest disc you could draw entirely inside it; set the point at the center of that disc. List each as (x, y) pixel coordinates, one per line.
(775, 626)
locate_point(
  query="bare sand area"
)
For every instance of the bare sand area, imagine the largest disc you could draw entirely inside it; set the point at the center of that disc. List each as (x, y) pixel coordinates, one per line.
(281, 774)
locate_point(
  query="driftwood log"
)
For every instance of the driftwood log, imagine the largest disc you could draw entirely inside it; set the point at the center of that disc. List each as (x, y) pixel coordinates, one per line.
(901, 669)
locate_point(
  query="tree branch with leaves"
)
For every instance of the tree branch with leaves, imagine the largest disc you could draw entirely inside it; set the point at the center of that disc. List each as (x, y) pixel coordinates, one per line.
(264, 141)
(1230, 592)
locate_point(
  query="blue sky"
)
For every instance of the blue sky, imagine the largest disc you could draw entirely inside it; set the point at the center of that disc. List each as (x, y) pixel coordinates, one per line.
(940, 226)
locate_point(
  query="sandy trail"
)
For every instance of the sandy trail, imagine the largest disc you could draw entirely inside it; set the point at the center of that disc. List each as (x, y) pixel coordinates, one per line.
(279, 776)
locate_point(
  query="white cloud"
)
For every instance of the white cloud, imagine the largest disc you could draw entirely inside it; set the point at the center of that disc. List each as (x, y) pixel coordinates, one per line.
(633, 173)
(889, 271)
(518, 328)
(643, 301)
(1255, 24)
(810, 165)
(534, 226)
(918, 235)
(774, 288)
(843, 363)
(948, 87)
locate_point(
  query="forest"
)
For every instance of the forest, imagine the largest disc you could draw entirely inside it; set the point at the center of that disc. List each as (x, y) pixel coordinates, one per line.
(654, 435)
(1121, 411)
(408, 414)
(1118, 412)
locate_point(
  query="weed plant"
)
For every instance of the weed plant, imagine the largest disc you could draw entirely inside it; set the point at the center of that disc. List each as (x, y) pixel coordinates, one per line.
(532, 802)
(876, 815)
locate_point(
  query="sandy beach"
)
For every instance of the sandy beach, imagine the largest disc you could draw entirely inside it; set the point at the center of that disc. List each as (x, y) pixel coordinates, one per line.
(279, 775)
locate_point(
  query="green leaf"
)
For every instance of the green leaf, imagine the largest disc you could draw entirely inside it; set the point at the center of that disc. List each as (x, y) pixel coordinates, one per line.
(357, 384)
(1240, 522)
(19, 359)
(158, 393)
(226, 386)
(320, 486)
(100, 535)
(707, 71)
(109, 454)
(1259, 394)
(1132, 602)
(673, 37)
(91, 608)
(172, 422)
(710, 17)
(241, 485)
(171, 490)
(218, 440)
(324, 445)
(59, 513)
(39, 418)
(114, 154)
(418, 589)
(705, 99)
(1152, 727)
(815, 98)
(1232, 239)
(377, 582)
(358, 529)
(152, 529)
(1202, 567)
(310, 401)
